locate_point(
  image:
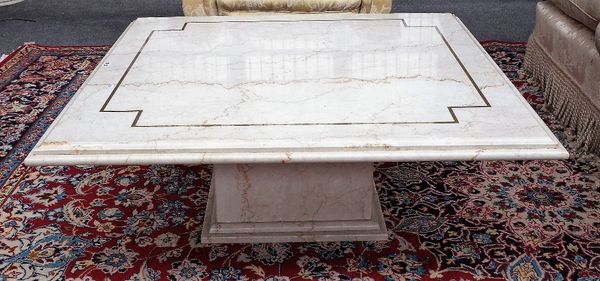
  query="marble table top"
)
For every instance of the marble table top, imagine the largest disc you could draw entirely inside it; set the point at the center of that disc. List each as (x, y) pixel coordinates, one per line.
(296, 88)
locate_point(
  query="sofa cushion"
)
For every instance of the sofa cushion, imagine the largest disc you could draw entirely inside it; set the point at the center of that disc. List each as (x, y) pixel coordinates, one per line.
(229, 7)
(584, 11)
(571, 46)
(193, 8)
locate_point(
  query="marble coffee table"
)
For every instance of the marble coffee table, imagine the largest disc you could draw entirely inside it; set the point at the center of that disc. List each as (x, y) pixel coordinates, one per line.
(292, 111)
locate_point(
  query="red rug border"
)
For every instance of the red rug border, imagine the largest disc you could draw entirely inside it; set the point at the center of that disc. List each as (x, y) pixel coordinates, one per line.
(503, 42)
(21, 48)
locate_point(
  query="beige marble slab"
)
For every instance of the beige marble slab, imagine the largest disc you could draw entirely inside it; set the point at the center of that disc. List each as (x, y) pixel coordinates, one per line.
(296, 88)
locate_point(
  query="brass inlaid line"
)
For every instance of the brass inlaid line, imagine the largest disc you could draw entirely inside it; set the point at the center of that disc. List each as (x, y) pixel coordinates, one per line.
(287, 124)
(450, 108)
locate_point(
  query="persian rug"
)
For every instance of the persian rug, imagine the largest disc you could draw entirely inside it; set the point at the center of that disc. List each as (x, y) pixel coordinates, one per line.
(484, 220)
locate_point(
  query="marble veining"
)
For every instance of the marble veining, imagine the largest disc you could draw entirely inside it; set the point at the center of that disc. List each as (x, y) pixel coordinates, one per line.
(243, 78)
(293, 203)
(296, 88)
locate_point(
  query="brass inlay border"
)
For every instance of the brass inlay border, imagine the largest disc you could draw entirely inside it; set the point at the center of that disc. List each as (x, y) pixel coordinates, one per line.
(450, 108)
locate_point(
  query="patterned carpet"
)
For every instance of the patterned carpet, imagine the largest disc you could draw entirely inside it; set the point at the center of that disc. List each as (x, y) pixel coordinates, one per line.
(492, 220)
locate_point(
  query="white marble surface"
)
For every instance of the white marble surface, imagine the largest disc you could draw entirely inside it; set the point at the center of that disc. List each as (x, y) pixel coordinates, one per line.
(272, 192)
(9, 2)
(253, 203)
(299, 88)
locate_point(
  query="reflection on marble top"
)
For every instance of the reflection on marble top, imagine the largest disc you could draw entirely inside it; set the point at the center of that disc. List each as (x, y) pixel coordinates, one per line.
(342, 72)
(400, 87)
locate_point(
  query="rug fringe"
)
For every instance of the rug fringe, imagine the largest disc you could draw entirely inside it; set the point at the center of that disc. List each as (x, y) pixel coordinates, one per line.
(564, 98)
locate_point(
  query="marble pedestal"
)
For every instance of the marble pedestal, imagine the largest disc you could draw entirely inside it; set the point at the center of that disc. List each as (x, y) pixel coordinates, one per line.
(293, 203)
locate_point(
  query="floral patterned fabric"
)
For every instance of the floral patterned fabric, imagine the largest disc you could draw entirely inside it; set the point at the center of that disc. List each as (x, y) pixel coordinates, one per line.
(484, 220)
(35, 84)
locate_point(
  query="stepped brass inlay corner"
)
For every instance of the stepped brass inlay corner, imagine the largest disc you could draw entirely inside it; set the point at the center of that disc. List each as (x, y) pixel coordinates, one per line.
(450, 108)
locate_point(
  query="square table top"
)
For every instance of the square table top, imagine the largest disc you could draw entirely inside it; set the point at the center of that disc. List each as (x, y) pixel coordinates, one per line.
(296, 88)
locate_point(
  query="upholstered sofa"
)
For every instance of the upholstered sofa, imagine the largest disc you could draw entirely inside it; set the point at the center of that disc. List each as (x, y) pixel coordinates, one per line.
(563, 53)
(237, 7)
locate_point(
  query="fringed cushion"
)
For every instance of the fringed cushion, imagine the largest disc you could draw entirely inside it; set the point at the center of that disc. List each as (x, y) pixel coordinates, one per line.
(562, 54)
(565, 98)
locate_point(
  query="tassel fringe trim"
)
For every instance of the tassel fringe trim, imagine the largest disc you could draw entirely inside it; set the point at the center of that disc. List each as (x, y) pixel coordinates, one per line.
(564, 98)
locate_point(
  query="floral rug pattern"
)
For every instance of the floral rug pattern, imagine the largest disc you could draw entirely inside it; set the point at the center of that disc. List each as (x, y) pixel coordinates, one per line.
(485, 220)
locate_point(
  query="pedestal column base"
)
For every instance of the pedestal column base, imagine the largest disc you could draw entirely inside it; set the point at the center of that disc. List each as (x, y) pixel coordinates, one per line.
(261, 203)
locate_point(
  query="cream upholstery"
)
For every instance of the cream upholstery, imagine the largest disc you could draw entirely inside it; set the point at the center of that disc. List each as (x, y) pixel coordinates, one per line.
(598, 37)
(227, 7)
(235, 7)
(573, 45)
(584, 11)
(563, 53)
(199, 7)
